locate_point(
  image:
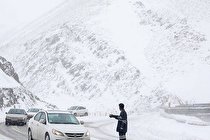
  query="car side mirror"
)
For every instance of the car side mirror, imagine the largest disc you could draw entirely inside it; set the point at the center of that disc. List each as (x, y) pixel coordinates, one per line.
(82, 122)
(6, 113)
(43, 121)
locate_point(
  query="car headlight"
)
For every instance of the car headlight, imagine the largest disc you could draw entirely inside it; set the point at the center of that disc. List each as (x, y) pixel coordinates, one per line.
(58, 133)
(87, 134)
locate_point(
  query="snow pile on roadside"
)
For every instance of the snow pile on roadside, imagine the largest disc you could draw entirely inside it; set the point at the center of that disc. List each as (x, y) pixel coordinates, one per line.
(186, 119)
(147, 126)
(154, 127)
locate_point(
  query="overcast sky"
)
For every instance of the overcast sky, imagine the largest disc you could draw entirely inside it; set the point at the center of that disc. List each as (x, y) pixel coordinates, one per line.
(16, 13)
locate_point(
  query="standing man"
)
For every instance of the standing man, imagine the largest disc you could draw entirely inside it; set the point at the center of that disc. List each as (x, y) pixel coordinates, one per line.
(122, 122)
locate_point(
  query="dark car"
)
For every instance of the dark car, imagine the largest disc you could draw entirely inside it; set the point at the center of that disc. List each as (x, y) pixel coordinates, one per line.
(16, 116)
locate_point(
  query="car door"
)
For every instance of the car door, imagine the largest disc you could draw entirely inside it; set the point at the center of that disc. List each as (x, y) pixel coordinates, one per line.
(83, 111)
(34, 124)
(41, 128)
(80, 111)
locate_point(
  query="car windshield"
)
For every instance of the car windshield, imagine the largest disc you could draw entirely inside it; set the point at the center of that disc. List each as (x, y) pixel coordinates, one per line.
(73, 108)
(62, 118)
(33, 110)
(16, 111)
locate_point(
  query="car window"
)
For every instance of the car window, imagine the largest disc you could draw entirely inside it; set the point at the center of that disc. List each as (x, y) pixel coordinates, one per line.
(82, 107)
(37, 117)
(43, 116)
(16, 111)
(33, 110)
(62, 118)
(73, 108)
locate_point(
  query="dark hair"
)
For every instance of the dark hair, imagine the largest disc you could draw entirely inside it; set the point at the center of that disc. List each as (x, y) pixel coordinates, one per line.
(121, 105)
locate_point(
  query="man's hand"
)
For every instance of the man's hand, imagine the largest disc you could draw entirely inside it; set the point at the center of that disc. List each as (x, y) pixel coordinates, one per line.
(110, 115)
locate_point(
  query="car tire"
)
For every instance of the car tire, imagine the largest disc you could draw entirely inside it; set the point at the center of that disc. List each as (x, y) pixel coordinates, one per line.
(47, 137)
(30, 135)
(75, 114)
(7, 123)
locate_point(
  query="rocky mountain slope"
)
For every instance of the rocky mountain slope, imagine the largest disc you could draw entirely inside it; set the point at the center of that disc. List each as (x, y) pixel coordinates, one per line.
(11, 90)
(74, 55)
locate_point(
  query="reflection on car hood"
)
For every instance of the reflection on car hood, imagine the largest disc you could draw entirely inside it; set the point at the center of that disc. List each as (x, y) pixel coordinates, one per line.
(69, 128)
(31, 113)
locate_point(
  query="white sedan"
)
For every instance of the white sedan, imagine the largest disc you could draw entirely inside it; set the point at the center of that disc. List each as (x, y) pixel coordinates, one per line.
(56, 125)
(78, 111)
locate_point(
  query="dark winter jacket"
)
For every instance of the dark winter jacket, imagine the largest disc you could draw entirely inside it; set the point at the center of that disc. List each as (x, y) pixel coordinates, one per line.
(122, 121)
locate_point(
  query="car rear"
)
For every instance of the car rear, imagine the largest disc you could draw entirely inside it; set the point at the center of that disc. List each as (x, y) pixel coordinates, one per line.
(16, 116)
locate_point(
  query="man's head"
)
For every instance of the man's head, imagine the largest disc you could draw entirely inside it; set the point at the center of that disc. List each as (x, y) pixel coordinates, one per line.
(121, 106)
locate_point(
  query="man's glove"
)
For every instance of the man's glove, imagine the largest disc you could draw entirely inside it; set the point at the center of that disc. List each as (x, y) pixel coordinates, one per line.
(111, 115)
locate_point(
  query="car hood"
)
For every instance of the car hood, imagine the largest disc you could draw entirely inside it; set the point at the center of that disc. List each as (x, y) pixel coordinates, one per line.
(71, 110)
(69, 128)
(16, 115)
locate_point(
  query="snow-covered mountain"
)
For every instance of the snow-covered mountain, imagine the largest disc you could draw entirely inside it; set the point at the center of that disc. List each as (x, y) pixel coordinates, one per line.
(11, 90)
(101, 52)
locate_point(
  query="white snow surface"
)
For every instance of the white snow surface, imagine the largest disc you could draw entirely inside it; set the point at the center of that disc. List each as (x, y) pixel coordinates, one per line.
(7, 82)
(148, 126)
(168, 41)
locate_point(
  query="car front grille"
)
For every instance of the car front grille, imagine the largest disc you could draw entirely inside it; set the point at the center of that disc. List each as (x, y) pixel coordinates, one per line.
(75, 135)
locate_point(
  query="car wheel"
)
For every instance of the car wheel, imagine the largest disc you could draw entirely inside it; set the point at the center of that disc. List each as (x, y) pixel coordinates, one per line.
(86, 114)
(75, 114)
(30, 135)
(47, 137)
(6, 123)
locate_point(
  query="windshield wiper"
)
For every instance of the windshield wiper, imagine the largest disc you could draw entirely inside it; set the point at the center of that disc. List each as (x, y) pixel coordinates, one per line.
(56, 122)
(69, 123)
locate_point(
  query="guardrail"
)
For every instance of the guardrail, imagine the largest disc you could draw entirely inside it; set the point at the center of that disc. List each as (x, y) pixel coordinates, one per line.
(201, 111)
(188, 110)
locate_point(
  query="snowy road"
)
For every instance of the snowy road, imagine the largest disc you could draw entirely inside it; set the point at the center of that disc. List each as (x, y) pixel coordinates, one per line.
(14, 132)
(97, 131)
(148, 126)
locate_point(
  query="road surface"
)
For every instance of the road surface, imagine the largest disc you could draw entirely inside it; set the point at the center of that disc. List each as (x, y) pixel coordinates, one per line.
(96, 129)
(147, 126)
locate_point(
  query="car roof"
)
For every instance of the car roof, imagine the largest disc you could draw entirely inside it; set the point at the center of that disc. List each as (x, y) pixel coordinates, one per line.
(57, 111)
(78, 106)
(16, 109)
(34, 108)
